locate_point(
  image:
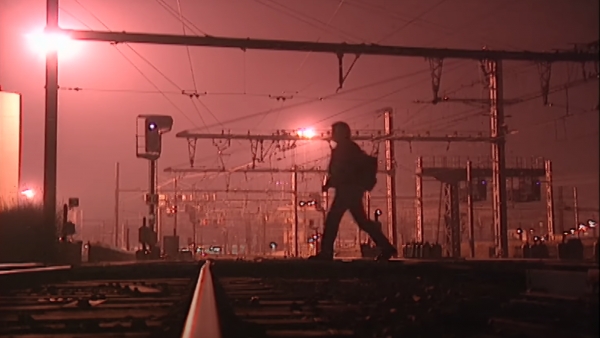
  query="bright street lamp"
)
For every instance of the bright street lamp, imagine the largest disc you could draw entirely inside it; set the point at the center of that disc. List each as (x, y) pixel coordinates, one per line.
(43, 43)
(28, 193)
(307, 133)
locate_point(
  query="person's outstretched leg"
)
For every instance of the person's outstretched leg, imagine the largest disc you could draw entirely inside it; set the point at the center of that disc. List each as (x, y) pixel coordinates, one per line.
(332, 225)
(357, 210)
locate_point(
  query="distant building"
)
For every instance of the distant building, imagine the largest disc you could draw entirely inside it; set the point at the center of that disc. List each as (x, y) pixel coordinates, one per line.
(10, 147)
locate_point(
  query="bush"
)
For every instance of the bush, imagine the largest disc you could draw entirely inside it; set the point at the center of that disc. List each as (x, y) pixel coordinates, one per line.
(24, 237)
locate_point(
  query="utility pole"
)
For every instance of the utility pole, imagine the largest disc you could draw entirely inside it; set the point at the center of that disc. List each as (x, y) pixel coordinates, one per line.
(390, 168)
(127, 243)
(51, 125)
(419, 200)
(549, 198)
(325, 209)
(175, 205)
(561, 208)
(195, 219)
(470, 219)
(247, 221)
(367, 201)
(152, 206)
(493, 72)
(117, 191)
(295, 220)
(264, 246)
(575, 208)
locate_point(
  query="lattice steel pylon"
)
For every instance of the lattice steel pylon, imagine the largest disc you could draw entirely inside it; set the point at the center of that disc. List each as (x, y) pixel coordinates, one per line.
(419, 201)
(452, 219)
(450, 175)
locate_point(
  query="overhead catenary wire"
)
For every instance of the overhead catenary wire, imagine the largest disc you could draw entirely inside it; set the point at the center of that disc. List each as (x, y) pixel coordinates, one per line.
(315, 23)
(95, 17)
(138, 69)
(383, 96)
(187, 48)
(511, 71)
(409, 22)
(185, 21)
(464, 29)
(311, 101)
(196, 95)
(350, 91)
(325, 97)
(192, 73)
(329, 96)
(477, 111)
(181, 90)
(307, 55)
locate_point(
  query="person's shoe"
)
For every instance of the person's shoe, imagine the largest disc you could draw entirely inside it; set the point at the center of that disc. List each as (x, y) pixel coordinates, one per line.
(321, 257)
(386, 254)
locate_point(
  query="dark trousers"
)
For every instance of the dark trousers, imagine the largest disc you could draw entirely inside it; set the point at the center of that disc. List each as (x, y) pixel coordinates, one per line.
(350, 199)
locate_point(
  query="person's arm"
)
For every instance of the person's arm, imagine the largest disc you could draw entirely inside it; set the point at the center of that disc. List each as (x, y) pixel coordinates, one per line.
(330, 171)
(327, 181)
(341, 165)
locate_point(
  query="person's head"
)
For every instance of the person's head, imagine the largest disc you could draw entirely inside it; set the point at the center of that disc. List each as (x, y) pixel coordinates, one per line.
(340, 131)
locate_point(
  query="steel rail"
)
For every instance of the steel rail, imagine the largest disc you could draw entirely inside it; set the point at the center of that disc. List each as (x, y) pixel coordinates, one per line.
(203, 318)
(12, 266)
(27, 271)
(27, 277)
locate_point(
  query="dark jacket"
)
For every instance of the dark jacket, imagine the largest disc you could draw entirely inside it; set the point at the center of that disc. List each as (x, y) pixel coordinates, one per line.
(344, 166)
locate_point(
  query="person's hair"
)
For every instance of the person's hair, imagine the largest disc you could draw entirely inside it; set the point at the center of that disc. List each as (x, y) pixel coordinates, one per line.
(342, 129)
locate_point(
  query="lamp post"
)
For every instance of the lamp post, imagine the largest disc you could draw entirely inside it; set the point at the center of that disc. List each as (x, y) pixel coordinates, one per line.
(51, 119)
(50, 43)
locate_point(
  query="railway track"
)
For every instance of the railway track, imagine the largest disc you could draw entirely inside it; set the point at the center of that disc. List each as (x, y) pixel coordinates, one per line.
(290, 298)
(424, 299)
(136, 300)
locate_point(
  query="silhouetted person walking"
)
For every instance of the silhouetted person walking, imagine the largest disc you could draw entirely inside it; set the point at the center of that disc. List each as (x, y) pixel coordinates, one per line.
(347, 177)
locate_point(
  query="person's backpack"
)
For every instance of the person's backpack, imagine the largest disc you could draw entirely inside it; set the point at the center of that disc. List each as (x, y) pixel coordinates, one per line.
(368, 175)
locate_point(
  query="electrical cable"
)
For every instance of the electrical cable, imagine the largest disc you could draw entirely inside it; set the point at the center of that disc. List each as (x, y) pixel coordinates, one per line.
(408, 23)
(91, 13)
(189, 56)
(307, 20)
(307, 55)
(188, 23)
(141, 72)
(370, 6)
(457, 66)
(313, 100)
(187, 48)
(213, 114)
(206, 94)
(326, 97)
